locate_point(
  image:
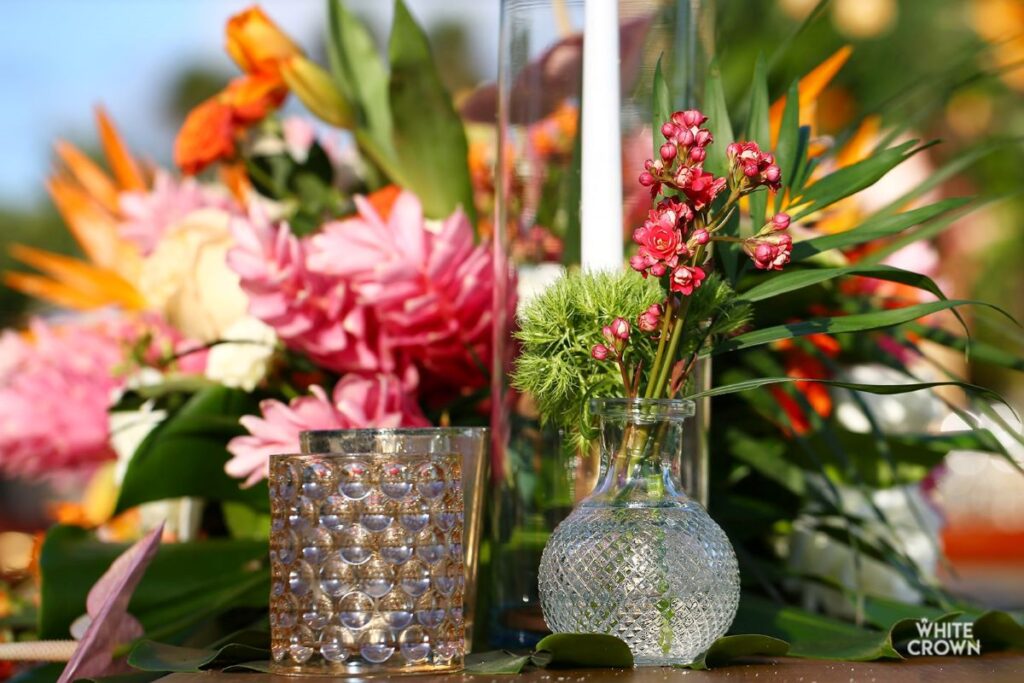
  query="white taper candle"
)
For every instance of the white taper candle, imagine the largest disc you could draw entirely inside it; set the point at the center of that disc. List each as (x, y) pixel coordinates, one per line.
(601, 196)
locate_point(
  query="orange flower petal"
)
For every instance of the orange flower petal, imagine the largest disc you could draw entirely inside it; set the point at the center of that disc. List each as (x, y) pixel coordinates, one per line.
(862, 142)
(102, 285)
(251, 98)
(92, 226)
(207, 135)
(810, 87)
(236, 179)
(256, 43)
(92, 178)
(40, 287)
(383, 199)
(126, 170)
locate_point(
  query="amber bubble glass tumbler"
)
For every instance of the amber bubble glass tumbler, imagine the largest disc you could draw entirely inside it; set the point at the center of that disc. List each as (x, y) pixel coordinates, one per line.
(367, 562)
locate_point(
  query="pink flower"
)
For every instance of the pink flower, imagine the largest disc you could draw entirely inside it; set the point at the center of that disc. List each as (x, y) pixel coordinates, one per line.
(770, 252)
(148, 215)
(700, 187)
(620, 329)
(661, 238)
(650, 319)
(599, 352)
(780, 221)
(311, 311)
(685, 279)
(299, 136)
(759, 168)
(57, 382)
(432, 288)
(358, 401)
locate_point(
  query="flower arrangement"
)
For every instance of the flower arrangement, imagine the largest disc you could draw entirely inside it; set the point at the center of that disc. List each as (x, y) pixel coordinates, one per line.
(286, 278)
(289, 275)
(690, 307)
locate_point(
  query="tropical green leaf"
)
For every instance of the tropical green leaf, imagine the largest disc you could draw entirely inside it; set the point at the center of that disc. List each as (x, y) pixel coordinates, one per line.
(728, 649)
(793, 280)
(585, 650)
(999, 631)
(72, 560)
(717, 111)
(767, 456)
(854, 178)
(884, 612)
(926, 232)
(813, 636)
(359, 72)
(149, 655)
(428, 136)
(783, 46)
(876, 227)
(976, 351)
(185, 454)
(858, 322)
(960, 163)
(884, 389)
(789, 140)
(758, 130)
(496, 663)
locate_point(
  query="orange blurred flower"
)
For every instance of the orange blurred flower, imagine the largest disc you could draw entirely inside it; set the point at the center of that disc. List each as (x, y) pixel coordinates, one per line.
(87, 198)
(251, 98)
(799, 363)
(207, 135)
(210, 131)
(257, 44)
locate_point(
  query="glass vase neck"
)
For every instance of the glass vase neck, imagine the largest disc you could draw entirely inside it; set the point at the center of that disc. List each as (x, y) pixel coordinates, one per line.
(641, 452)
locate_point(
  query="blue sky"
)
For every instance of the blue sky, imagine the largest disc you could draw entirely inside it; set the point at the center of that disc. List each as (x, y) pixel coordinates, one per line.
(60, 57)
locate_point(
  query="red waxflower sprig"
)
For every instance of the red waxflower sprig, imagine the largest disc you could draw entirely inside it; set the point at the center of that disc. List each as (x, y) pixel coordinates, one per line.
(673, 239)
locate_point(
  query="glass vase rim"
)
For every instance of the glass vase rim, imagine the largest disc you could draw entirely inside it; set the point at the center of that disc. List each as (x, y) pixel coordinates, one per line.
(393, 431)
(649, 408)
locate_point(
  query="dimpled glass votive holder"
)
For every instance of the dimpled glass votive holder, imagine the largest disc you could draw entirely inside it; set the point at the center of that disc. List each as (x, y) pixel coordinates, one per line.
(367, 568)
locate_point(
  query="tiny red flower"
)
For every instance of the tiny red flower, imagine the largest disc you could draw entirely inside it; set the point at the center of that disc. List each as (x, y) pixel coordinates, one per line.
(685, 279)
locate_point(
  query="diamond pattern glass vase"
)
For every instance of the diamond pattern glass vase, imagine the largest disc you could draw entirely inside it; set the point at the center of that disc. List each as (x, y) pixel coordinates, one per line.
(638, 558)
(367, 562)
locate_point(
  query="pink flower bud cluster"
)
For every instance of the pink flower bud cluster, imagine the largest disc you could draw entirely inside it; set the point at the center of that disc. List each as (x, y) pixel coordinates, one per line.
(771, 248)
(681, 159)
(753, 168)
(616, 337)
(650, 320)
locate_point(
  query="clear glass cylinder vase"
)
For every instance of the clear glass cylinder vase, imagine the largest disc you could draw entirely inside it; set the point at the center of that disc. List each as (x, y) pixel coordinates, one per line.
(639, 559)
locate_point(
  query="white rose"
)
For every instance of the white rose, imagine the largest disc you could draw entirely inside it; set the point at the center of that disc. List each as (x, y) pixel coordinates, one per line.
(243, 360)
(188, 280)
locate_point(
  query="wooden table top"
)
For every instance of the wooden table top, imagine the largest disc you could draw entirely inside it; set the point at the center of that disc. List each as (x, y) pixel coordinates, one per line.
(992, 668)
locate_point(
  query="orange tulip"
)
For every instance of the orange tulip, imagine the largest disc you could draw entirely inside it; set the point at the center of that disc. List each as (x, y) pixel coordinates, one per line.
(251, 98)
(207, 135)
(257, 44)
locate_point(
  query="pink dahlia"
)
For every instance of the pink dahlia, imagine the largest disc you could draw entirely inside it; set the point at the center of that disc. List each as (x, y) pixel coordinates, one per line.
(358, 401)
(430, 285)
(146, 216)
(311, 311)
(58, 380)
